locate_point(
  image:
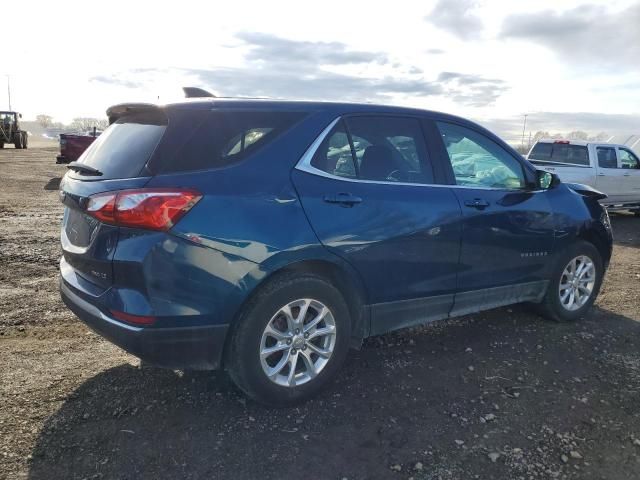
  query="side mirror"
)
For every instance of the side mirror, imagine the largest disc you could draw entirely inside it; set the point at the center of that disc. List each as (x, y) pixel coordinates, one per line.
(546, 180)
(20, 115)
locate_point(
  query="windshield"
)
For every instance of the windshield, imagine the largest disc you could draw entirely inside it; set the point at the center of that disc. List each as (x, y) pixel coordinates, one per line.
(7, 117)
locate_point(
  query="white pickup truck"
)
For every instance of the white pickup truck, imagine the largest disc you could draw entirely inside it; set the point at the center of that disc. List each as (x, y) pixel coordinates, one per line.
(612, 169)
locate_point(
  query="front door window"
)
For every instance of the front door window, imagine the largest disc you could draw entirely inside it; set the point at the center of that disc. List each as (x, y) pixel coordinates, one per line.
(479, 162)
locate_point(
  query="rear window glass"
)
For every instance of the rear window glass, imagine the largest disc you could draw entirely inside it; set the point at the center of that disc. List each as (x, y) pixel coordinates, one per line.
(560, 153)
(226, 137)
(541, 151)
(125, 147)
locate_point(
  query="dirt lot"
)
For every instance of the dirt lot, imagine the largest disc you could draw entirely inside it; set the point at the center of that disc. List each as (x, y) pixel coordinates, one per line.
(497, 395)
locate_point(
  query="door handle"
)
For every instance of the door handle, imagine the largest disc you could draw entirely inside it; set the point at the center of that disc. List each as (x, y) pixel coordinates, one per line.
(478, 203)
(344, 199)
(601, 175)
(627, 174)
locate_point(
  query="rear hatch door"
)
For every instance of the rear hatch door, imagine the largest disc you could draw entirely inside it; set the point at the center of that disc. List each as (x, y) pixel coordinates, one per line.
(115, 161)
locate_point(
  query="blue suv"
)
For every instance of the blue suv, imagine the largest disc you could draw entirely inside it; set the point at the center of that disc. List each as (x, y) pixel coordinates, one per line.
(269, 237)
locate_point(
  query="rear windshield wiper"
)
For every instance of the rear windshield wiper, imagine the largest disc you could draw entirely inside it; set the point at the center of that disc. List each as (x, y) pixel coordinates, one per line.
(82, 168)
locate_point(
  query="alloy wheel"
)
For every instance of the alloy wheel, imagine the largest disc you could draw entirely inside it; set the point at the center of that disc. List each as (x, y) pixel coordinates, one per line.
(298, 342)
(577, 283)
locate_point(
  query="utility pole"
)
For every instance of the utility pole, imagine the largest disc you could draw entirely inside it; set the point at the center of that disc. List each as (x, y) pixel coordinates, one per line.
(524, 126)
(9, 90)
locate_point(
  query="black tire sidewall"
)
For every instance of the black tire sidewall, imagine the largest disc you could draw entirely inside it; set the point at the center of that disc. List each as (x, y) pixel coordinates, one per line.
(552, 298)
(244, 363)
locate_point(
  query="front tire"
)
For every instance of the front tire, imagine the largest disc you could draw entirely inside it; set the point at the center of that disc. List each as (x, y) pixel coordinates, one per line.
(575, 284)
(290, 341)
(17, 141)
(25, 141)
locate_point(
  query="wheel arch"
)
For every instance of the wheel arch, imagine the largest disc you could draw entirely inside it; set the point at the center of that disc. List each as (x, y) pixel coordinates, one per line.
(335, 271)
(347, 282)
(599, 241)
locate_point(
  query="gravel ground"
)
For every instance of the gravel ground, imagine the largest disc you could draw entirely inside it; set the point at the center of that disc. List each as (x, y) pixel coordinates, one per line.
(502, 395)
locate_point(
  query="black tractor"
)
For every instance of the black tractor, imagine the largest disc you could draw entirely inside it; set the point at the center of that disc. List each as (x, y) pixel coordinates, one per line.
(10, 130)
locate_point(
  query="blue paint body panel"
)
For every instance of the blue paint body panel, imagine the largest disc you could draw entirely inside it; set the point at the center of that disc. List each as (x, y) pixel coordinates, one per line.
(410, 251)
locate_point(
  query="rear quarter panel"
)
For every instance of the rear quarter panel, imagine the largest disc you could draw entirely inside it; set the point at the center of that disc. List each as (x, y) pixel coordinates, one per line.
(248, 224)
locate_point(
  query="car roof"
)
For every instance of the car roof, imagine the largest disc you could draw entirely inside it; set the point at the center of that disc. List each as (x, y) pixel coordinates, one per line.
(339, 108)
(336, 109)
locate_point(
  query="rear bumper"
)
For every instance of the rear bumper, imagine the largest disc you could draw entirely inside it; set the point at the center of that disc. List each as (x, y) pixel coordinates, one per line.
(194, 347)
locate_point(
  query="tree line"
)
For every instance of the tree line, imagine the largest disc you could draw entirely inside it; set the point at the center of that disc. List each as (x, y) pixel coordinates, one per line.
(82, 124)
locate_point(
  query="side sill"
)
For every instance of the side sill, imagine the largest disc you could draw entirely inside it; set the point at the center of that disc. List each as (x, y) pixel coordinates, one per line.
(390, 316)
(386, 317)
(488, 298)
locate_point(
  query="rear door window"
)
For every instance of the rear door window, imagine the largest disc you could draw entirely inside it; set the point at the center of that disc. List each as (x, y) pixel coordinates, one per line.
(124, 148)
(390, 149)
(334, 156)
(607, 157)
(226, 137)
(385, 149)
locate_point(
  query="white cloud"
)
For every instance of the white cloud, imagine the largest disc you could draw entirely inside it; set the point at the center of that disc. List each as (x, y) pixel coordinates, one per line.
(484, 60)
(591, 34)
(459, 17)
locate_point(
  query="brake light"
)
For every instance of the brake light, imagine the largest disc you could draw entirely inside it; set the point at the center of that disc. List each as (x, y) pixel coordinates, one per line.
(145, 208)
(564, 142)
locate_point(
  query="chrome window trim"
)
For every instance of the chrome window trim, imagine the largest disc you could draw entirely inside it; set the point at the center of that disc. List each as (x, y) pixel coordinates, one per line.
(305, 160)
(304, 165)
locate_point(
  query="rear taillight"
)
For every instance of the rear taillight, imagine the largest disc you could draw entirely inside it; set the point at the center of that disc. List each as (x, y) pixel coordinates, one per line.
(146, 208)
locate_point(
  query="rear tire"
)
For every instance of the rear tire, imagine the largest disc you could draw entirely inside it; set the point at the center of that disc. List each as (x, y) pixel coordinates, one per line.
(1, 144)
(283, 318)
(565, 298)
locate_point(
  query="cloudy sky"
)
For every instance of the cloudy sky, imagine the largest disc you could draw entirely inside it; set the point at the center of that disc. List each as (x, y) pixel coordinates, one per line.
(568, 64)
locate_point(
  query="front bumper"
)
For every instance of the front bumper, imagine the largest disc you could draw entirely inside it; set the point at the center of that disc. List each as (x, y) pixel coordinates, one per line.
(62, 159)
(195, 347)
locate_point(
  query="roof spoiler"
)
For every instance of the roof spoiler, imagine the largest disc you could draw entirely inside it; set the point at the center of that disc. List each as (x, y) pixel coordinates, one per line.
(195, 92)
(117, 111)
